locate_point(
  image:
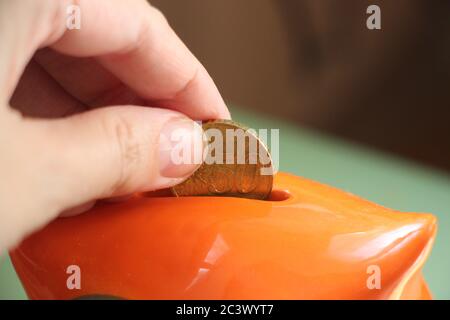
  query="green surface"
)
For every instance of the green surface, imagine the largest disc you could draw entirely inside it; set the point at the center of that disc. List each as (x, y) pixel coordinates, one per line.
(384, 179)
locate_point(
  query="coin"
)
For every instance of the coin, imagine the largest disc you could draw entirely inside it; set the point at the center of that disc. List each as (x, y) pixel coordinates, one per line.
(237, 164)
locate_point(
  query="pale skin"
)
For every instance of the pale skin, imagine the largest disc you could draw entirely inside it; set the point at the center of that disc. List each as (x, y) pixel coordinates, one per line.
(82, 111)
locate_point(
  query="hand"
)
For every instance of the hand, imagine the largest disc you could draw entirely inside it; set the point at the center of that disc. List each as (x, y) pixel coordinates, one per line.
(81, 111)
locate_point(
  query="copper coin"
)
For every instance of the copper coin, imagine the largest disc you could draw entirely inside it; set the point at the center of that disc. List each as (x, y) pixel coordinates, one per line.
(236, 164)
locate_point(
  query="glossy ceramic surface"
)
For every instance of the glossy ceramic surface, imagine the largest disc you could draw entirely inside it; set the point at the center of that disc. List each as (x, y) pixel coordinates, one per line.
(309, 241)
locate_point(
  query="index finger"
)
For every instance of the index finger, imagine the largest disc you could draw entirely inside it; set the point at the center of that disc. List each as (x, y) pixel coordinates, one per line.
(134, 41)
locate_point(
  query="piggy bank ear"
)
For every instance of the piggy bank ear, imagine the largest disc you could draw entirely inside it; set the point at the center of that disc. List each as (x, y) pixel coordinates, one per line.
(392, 255)
(414, 245)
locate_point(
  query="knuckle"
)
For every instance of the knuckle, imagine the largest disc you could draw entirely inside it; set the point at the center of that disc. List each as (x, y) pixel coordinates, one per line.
(158, 16)
(127, 146)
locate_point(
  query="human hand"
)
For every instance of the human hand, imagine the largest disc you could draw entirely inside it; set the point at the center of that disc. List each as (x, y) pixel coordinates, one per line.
(85, 119)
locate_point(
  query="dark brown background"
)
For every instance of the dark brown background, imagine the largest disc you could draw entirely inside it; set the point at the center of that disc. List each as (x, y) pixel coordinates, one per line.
(315, 62)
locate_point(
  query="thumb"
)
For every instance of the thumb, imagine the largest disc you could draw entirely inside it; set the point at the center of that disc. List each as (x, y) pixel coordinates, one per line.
(118, 150)
(53, 165)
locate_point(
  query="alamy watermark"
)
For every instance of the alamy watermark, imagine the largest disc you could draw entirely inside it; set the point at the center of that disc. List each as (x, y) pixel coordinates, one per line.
(373, 21)
(73, 19)
(73, 281)
(229, 146)
(373, 281)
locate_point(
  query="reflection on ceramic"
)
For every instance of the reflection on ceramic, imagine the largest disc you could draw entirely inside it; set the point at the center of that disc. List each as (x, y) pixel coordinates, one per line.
(309, 241)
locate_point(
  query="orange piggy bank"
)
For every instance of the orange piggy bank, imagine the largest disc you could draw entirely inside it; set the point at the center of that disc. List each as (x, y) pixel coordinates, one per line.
(307, 241)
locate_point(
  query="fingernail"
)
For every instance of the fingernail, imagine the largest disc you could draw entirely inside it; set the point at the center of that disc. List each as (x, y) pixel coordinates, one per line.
(180, 148)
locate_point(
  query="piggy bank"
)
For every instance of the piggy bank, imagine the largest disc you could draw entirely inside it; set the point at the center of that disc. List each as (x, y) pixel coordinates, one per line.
(306, 241)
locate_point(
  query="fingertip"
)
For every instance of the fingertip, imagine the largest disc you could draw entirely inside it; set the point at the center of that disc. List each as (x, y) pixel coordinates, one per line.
(224, 113)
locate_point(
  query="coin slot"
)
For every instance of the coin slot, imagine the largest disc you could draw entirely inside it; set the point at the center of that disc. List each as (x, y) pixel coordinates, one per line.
(278, 195)
(163, 193)
(275, 195)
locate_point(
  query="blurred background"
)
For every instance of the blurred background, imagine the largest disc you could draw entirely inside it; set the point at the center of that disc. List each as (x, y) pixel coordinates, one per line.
(315, 62)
